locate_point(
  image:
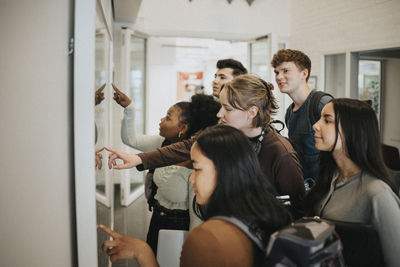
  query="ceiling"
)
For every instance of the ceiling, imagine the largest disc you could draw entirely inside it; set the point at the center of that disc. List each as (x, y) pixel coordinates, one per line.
(236, 20)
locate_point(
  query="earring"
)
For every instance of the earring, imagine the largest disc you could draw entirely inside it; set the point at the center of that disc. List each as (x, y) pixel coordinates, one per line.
(179, 134)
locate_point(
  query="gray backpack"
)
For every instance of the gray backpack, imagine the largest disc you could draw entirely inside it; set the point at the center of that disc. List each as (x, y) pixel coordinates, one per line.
(309, 241)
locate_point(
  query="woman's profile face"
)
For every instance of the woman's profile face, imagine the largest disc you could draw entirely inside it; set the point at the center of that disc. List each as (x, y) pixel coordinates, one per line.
(204, 175)
(239, 119)
(325, 132)
(170, 125)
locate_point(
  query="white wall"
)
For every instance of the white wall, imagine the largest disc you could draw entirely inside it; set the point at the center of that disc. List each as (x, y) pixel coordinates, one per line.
(391, 108)
(321, 27)
(36, 200)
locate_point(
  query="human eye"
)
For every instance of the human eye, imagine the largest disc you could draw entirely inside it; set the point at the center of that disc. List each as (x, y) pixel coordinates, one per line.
(228, 108)
(223, 77)
(285, 70)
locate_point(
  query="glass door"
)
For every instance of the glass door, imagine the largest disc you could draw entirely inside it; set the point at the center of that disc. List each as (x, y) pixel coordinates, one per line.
(102, 117)
(369, 83)
(260, 57)
(133, 57)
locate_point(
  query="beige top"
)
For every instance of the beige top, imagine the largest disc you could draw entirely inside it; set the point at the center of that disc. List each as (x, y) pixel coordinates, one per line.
(217, 243)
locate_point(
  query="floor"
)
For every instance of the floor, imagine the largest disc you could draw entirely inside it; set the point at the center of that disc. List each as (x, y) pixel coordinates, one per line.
(131, 221)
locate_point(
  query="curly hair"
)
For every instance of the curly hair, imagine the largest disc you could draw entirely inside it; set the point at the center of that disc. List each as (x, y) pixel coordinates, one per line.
(198, 114)
(301, 60)
(246, 91)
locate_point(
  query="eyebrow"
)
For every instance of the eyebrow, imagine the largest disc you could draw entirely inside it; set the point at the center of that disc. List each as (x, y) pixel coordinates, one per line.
(327, 116)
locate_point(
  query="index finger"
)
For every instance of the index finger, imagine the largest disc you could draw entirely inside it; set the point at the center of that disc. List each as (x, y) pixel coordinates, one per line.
(115, 88)
(109, 149)
(101, 88)
(108, 231)
(99, 149)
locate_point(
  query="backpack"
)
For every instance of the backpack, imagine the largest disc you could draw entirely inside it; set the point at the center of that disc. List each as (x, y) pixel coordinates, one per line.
(309, 241)
(313, 109)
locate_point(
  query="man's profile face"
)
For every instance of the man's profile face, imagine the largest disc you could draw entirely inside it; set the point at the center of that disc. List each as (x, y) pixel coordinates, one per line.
(222, 76)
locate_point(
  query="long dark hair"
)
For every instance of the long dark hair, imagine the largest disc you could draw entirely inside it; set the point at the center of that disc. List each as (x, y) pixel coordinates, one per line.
(198, 114)
(361, 138)
(242, 191)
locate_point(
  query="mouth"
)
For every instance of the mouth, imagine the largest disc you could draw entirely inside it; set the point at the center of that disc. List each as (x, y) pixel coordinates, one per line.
(280, 84)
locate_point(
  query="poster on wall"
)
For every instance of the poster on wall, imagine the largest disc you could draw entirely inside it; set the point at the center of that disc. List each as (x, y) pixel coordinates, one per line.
(189, 83)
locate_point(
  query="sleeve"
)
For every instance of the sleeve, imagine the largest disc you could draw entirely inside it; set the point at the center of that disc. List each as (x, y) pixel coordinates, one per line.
(289, 178)
(386, 220)
(131, 138)
(167, 155)
(201, 248)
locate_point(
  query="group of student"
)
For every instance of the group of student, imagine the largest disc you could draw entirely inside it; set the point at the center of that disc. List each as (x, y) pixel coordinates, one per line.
(219, 155)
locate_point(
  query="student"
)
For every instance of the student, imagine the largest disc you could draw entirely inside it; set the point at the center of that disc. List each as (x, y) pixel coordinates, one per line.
(292, 70)
(247, 104)
(227, 181)
(227, 70)
(167, 188)
(353, 185)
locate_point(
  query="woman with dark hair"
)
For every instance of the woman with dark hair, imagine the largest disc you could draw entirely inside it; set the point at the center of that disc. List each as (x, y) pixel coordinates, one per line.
(353, 184)
(227, 181)
(167, 189)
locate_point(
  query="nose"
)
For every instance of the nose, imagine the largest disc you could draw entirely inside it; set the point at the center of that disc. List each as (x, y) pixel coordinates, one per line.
(316, 126)
(278, 76)
(220, 114)
(215, 82)
(191, 178)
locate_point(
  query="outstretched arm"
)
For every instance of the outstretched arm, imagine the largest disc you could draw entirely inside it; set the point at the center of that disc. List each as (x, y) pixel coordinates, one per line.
(167, 155)
(129, 160)
(125, 247)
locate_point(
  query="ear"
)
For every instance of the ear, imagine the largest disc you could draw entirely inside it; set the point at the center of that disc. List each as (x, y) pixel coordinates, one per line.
(184, 128)
(252, 111)
(305, 73)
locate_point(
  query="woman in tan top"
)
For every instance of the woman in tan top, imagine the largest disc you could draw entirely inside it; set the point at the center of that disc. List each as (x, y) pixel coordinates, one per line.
(227, 181)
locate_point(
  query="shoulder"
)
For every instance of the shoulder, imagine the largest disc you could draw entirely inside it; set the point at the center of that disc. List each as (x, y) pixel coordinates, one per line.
(277, 143)
(375, 187)
(173, 170)
(217, 243)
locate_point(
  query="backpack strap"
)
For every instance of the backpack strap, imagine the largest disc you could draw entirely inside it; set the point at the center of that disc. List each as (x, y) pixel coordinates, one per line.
(245, 227)
(288, 114)
(315, 105)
